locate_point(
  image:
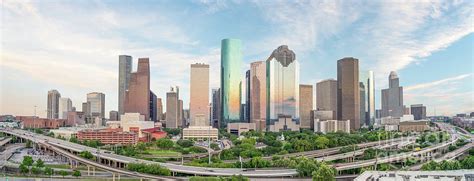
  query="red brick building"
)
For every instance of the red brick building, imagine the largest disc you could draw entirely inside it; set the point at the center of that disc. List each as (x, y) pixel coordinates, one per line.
(44, 123)
(152, 134)
(109, 136)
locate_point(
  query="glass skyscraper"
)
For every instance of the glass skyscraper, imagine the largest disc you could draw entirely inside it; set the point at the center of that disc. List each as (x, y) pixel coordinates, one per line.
(231, 58)
(282, 85)
(367, 100)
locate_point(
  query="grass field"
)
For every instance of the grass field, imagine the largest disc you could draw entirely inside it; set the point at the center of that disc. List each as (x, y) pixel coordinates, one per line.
(163, 153)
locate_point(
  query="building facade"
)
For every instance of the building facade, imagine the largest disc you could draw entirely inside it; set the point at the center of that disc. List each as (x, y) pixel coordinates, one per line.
(159, 109)
(216, 107)
(109, 136)
(258, 94)
(125, 69)
(392, 98)
(200, 133)
(231, 60)
(306, 105)
(153, 107)
(239, 128)
(172, 109)
(282, 86)
(348, 92)
(113, 116)
(199, 94)
(418, 111)
(367, 97)
(53, 104)
(137, 97)
(96, 102)
(65, 105)
(326, 96)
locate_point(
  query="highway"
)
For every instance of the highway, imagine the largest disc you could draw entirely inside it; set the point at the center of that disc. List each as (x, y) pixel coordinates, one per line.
(5, 141)
(8, 152)
(57, 143)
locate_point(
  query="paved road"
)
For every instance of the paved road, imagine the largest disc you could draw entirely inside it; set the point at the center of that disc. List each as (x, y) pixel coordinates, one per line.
(8, 152)
(5, 141)
(57, 143)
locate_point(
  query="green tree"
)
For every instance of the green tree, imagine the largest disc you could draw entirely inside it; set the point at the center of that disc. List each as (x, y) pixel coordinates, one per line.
(76, 173)
(63, 173)
(27, 161)
(306, 166)
(432, 165)
(73, 139)
(48, 171)
(36, 170)
(39, 163)
(321, 142)
(324, 173)
(164, 143)
(215, 146)
(24, 169)
(86, 155)
(185, 143)
(50, 134)
(302, 145)
(28, 144)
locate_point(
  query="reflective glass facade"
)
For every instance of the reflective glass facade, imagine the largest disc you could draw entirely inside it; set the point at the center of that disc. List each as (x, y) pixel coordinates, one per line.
(282, 85)
(231, 58)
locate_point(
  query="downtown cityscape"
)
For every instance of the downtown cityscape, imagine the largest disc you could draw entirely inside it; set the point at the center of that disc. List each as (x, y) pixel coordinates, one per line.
(283, 112)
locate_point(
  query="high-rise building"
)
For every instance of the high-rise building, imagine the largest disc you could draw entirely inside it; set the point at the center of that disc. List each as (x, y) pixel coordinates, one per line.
(153, 108)
(125, 69)
(97, 104)
(199, 95)
(362, 104)
(137, 97)
(418, 111)
(247, 97)
(65, 105)
(181, 117)
(216, 101)
(282, 86)
(370, 98)
(378, 113)
(348, 92)
(258, 94)
(53, 104)
(113, 116)
(306, 105)
(172, 109)
(231, 58)
(392, 98)
(159, 109)
(86, 108)
(326, 96)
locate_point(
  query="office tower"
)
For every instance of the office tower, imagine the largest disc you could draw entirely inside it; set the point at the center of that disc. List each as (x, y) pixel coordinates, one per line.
(65, 105)
(348, 93)
(86, 108)
(181, 114)
(172, 109)
(199, 95)
(113, 116)
(418, 111)
(282, 86)
(53, 104)
(326, 96)
(258, 94)
(362, 105)
(368, 98)
(137, 97)
(247, 97)
(378, 113)
(97, 104)
(306, 105)
(125, 69)
(216, 101)
(231, 58)
(159, 109)
(392, 98)
(406, 110)
(153, 103)
(243, 112)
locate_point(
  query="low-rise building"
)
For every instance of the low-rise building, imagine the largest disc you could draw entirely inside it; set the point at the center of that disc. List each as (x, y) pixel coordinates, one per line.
(239, 128)
(134, 122)
(108, 136)
(284, 123)
(329, 126)
(414, 126)
(464, 122)
(152, 134)
(44, 123)
(200, 133)
(451, 175)
(321, 115)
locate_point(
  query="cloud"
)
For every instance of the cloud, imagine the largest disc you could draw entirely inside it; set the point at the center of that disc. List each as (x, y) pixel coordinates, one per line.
(437, 83)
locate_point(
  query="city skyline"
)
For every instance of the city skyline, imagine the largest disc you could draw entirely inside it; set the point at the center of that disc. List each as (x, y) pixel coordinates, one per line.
(169, 62)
